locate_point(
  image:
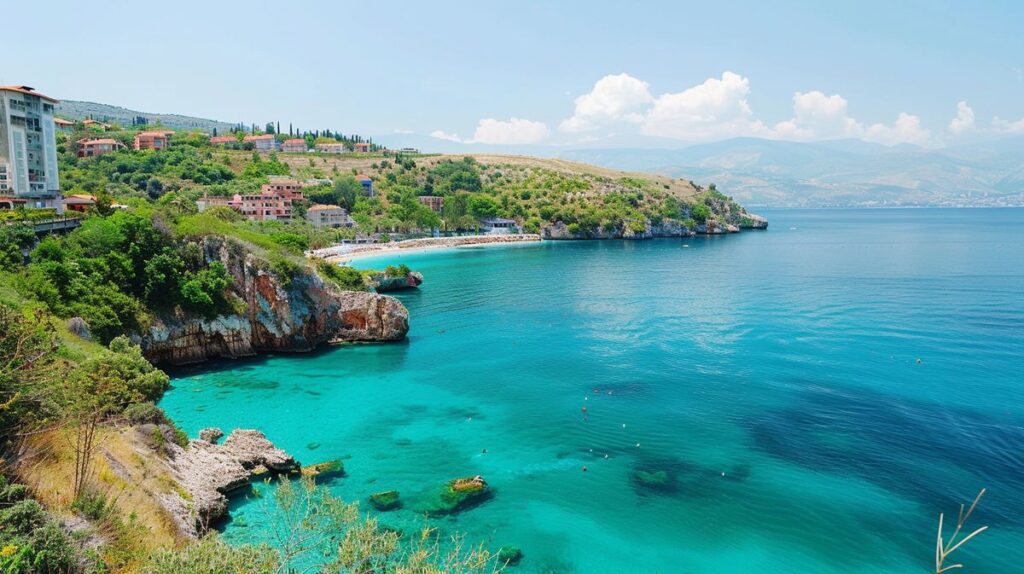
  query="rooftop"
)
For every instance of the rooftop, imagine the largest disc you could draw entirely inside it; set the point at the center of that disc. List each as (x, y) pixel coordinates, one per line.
(322, 207)
(28, 91)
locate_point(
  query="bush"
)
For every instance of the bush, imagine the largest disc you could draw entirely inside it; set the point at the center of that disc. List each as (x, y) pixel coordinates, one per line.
(92, 504)
(145, 413)
(211, 556)
(347, 278)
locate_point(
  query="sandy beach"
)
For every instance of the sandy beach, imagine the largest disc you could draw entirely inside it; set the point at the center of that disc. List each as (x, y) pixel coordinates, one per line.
(347, 253)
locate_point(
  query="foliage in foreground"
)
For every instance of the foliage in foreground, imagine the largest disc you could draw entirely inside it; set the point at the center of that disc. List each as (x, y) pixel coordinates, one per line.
(31, 540)
(314, 531)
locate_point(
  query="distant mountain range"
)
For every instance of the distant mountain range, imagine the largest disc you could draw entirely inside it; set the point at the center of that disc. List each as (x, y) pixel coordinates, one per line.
(837, 173)
(74, 110)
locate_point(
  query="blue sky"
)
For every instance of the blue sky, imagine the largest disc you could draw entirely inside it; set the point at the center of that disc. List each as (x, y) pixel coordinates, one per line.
(543, 72)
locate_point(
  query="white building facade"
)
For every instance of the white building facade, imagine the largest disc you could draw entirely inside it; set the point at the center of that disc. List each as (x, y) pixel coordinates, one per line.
(28, 148)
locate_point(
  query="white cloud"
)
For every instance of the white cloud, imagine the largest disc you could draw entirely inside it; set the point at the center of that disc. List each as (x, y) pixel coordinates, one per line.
(964, 120)
(513, 131)
(613, 98)
(907, 129)
(492, 131)
(441, 135)
(716, 108)
(1001, 125)
(817, 116)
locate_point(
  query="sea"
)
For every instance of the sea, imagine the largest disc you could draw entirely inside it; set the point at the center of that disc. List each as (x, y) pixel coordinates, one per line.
(805, 399)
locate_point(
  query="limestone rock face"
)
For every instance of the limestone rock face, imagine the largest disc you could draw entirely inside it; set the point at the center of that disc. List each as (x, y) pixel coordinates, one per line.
(208, 472)
(281, 314)
(667, 228)
(382, 283)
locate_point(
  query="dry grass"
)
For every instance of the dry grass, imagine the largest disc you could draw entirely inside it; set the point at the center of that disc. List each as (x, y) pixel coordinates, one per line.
(364, 164)
(125, 472)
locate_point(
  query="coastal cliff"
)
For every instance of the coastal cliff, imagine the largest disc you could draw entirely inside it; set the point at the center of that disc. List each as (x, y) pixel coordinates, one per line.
(277, 311)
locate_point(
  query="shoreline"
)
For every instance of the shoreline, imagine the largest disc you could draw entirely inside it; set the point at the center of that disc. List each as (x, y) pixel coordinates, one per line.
(333, 255)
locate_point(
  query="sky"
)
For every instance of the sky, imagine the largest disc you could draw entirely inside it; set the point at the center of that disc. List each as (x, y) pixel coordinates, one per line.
(931, 73)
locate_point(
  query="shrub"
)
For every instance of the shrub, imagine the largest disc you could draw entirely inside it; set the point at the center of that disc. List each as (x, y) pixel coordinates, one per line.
(145, 413)
(347, 278)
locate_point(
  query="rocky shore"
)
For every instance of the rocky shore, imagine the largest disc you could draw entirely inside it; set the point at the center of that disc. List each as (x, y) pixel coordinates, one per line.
(208, 472)
(292, 314)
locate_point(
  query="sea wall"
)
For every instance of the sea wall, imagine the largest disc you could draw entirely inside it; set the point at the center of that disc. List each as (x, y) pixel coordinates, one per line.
(290, 314)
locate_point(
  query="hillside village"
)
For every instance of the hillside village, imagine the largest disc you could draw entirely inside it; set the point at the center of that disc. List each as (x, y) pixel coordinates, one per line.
(328, 187)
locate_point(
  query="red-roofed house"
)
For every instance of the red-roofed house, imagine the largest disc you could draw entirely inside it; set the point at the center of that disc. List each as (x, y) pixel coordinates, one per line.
(151, 140)
(94, 147)
(328, 216)
(361, 147)
(297, 145)
(330, 147)
(264, 142)
(63, 124)
(221, 140)
(79, 202)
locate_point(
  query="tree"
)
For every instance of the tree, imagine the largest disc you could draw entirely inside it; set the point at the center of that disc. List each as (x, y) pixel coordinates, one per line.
(14, 239)
(27, 365)
(104, 385)
(482, 206)
(700, 213)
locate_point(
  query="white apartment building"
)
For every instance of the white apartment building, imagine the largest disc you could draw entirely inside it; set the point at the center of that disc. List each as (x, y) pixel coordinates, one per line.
(28, 148)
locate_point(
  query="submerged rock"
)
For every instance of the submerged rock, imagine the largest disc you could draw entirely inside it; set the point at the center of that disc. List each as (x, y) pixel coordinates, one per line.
(325, 470)
(658, 480)
(457, 495)
(509, 555)
(387, 500)
(208, 472)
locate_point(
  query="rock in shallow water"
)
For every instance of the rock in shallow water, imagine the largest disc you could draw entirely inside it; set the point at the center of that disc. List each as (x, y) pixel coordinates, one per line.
(208, 472)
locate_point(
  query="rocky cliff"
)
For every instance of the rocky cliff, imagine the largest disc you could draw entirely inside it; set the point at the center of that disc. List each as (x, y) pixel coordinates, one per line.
(560, 230)
(281, 313)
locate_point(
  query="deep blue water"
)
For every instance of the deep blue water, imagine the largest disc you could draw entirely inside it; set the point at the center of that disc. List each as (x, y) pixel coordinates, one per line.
(814, 394)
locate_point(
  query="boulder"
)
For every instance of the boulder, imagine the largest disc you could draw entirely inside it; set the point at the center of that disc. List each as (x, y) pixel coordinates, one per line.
(384, 501)
(509, 555)
(457, 495)
(208, 472)
(211, 435)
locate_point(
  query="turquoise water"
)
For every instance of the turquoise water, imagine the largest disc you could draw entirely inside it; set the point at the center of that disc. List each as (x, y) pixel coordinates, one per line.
(772, 376)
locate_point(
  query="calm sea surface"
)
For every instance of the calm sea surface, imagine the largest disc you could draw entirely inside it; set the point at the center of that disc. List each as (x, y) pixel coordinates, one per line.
(806, 399)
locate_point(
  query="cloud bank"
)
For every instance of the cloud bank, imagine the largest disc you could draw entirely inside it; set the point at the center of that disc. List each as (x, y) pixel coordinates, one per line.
(715, 109)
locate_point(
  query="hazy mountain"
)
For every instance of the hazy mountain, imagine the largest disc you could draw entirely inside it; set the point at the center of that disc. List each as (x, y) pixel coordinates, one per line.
(837, 173)
(74, 110)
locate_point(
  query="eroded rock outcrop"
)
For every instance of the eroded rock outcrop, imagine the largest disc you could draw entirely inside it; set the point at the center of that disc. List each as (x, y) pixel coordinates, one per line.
(294, 313)
(208, 472)
(383, 283)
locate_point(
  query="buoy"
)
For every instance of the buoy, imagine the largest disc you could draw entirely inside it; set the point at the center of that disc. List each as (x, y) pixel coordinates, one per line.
(606, 456)
(637, 445)
(623, 425)
(584, 409)
(584, 469)
(919, 361)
